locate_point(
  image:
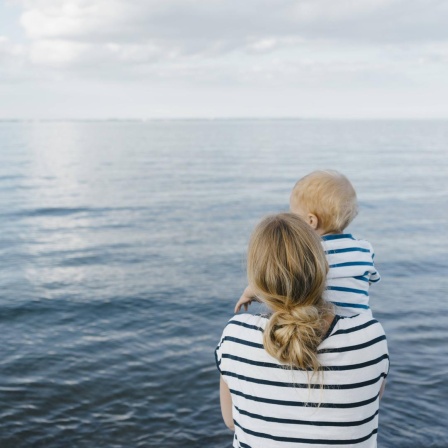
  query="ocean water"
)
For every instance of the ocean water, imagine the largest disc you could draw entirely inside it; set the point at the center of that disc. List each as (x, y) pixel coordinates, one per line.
(122, 253)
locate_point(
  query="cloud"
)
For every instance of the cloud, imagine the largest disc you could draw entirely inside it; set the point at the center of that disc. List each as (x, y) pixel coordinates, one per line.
(10, 50)
(371, 20)
(13, 60)
(224, 41)
(209, 28)
(261, 46)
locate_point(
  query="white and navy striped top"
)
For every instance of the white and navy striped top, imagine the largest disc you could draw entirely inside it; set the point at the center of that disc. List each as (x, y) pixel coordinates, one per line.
(351, 272)
(273, 407)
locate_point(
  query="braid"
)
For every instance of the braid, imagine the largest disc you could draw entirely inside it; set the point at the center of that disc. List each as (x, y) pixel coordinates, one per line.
(292, 336)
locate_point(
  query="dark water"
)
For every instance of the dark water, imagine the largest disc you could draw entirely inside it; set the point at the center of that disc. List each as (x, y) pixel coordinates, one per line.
(122, 252)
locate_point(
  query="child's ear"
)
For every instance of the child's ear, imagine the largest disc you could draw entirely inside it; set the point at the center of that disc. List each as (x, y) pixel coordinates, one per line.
(313, 221)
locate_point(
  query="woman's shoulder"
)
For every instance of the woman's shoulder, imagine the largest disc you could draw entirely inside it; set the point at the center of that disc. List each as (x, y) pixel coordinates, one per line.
(359, 328)
(354, 343)
(246, 325)
(249, 320)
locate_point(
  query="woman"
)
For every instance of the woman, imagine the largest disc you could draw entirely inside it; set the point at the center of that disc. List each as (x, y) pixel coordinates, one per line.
(300, 376)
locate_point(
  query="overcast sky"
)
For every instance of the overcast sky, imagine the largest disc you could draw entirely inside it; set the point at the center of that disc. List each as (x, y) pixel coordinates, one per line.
(223, 58)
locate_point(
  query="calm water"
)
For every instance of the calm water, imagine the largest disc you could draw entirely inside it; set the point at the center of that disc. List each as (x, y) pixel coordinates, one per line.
(122, 254)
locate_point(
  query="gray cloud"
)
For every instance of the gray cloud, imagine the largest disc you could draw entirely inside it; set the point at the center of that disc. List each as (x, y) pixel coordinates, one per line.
(69, 33)
(218, 20)
(260, 46)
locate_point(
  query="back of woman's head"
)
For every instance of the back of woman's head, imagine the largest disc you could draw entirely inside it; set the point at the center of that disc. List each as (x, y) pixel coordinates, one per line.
(287, 269)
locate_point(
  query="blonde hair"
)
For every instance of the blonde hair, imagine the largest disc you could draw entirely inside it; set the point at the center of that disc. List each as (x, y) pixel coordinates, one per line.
(329, 196)
(287, 269)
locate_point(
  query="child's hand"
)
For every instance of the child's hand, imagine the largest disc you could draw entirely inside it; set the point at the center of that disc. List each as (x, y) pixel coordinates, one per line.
(246, 299)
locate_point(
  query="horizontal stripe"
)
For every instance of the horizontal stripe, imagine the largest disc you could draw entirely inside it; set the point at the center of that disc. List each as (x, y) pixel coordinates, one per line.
(309, 441)
(327, 350)
(243, 324)
(351, 263)
(346, 249)
(353, 347)
(350, 305)
(339, 236)
(289, 421)
(242, 342)
(351, 290)
(357, 328)
(303, 385)
(361, 278)
(255, 363)
(302, 404)
(269, 365)
(360, 365)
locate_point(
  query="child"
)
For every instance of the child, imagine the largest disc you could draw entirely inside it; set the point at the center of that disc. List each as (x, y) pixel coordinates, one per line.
(326, 200)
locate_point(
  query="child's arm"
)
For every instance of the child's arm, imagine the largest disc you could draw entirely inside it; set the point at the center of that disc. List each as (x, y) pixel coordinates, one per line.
(374, 274)
(246, 299)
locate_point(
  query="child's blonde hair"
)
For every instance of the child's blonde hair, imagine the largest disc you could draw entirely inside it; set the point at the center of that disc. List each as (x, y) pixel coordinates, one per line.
(329, 196)
(287, 269)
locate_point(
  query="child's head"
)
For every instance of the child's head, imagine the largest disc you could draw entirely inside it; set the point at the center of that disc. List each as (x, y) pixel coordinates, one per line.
(326, 200)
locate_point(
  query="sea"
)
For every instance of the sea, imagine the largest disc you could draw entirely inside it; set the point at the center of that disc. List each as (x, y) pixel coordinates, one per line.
(122, 254)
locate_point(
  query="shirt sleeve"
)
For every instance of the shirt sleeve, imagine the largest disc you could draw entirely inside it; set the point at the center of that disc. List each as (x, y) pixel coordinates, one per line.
(220, 348)
(374, 274)
(218, 355)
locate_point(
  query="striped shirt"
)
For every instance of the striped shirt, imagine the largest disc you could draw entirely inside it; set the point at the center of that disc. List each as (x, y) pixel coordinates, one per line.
(351, 272)
(273, 407)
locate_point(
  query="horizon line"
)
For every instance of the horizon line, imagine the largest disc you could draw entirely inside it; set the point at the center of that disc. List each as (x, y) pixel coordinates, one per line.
(236, 118)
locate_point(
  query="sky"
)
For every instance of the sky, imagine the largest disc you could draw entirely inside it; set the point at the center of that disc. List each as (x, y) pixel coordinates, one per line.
(146, 59)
